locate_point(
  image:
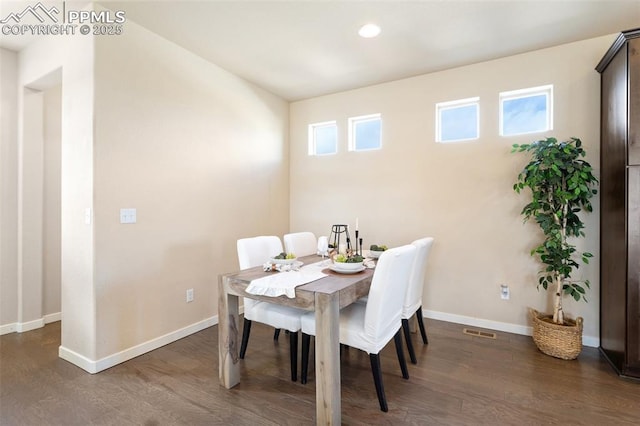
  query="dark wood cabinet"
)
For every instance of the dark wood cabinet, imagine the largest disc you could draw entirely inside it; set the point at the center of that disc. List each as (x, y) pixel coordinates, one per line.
(620, 204)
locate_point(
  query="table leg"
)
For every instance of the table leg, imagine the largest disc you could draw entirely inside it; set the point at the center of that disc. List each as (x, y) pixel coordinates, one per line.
(328, 399)
(229, 368)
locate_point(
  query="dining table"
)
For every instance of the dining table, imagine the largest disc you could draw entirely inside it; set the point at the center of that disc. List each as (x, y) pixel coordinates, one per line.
(324, 296)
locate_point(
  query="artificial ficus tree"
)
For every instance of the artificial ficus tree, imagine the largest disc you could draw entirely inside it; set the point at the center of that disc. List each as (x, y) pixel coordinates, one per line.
(561, 185)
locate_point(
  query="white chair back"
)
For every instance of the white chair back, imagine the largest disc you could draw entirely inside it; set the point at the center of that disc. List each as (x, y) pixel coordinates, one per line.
(382, 317)
(301, 243)
(255, 251)
(413, 299)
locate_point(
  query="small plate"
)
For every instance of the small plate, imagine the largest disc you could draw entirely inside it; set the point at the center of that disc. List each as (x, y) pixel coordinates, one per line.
(283, 261)
(346, 271)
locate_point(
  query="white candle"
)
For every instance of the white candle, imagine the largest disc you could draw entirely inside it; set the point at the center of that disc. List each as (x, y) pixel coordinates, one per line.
(356, 223)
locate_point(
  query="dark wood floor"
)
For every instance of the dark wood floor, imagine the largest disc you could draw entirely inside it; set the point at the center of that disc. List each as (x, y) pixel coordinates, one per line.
(459, 380)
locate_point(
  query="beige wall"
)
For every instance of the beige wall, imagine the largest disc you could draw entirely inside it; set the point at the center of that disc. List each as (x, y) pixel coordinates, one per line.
(201, 154)
(44, 64)
(203, 157)
(51, 262)
(8, 189)
(30, 209)
(459, 193)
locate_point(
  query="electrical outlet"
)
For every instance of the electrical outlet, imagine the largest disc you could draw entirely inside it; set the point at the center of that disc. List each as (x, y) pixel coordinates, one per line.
(504, 292)
(190, 295)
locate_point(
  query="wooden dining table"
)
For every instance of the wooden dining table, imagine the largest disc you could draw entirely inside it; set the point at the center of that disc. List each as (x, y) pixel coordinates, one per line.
(325, 297)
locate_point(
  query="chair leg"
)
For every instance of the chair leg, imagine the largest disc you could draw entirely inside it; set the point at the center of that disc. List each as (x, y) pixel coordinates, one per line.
(293, 351)
(421, 325)
(306, 343)
(377, 380)
(407, 337)
(276, 334)
(246, 330)
(403, 363)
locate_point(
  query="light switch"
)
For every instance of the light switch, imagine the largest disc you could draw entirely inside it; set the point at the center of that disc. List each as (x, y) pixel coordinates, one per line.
(128, 216)
(87, 216)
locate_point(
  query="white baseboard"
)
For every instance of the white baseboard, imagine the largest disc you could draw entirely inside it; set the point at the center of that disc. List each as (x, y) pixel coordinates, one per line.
(93, 367)
(21, 327)
(8, 328)
(590, 341)
(107, 362)
(49, 318)
(75, 358)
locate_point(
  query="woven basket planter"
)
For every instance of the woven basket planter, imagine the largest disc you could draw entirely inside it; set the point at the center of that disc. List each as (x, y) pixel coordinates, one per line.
(560, 341)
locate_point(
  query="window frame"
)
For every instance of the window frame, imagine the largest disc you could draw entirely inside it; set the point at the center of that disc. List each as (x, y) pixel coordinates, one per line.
(312, 142)
(510, 95)
(353, 121)
(459, 103)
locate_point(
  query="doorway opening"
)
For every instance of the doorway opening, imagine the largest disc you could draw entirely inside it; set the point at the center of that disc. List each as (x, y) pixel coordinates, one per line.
(39, 204)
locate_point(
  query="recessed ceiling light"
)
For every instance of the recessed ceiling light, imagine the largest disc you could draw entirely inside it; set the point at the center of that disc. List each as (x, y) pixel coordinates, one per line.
(369, 31)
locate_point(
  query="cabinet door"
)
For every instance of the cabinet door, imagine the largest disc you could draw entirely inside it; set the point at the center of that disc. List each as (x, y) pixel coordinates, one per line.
(633, 273)
(634, 102)
(613, 210)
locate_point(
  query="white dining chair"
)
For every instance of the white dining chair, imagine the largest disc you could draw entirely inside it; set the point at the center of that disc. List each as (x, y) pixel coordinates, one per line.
(253, 252)
(369, 327)
(413, 299)
(301, 243)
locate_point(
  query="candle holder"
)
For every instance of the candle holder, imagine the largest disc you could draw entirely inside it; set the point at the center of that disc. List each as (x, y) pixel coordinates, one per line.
(337, 233)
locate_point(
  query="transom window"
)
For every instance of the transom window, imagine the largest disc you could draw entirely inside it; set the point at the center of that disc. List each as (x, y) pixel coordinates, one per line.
(458, 120)
(526, 111)
(365, 132)
(323, 138)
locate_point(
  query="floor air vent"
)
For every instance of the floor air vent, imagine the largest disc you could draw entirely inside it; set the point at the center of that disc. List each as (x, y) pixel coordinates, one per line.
(479, 333)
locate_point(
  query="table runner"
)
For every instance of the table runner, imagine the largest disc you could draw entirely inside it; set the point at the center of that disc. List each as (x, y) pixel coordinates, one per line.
(285, 283)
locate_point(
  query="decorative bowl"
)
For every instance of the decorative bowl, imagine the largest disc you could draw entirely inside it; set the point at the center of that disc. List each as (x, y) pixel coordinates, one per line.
(344, 266)
(374, 254)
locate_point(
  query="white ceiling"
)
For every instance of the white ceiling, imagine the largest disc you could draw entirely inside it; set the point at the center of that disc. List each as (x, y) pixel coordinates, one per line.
(302, 49)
